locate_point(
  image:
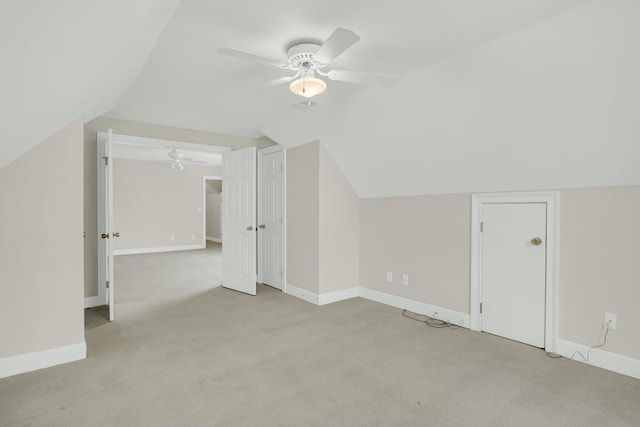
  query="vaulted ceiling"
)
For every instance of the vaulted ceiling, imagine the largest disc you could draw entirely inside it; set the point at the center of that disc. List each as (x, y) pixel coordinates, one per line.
(186, 83)
(65, 59)
(493, 94)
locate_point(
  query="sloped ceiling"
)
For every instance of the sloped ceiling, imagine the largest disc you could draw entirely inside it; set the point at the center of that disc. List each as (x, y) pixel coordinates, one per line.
(187, 84)
(494, 95)
(554, 105)
(64, 59)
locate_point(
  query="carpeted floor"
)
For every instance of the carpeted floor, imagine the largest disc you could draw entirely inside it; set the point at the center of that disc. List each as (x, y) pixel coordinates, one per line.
(183, 353)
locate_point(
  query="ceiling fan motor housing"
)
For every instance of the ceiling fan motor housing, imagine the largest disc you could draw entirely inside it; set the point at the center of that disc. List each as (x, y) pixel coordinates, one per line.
(301, 56)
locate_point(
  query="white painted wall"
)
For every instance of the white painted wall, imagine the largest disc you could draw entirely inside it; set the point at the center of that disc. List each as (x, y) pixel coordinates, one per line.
(339, 227)
(425, 237)
(428, 237)
(303, 217)
(322, 222)
(41, 293)
(155, 206)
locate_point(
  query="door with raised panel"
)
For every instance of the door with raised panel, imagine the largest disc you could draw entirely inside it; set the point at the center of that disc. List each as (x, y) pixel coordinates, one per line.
(514, 271)
(239, 217)
(270, 231)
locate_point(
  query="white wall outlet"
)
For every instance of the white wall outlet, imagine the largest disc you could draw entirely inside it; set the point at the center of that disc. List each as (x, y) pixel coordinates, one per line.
(193, 237)
(405, 279)
(389, 276)
(172, 238)
(611, 319)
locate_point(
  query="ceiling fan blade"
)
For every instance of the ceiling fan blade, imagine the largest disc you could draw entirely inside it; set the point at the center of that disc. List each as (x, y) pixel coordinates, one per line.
(281, 80)
(341, 40)
(276, 82)
(251, 57)
(371, 79)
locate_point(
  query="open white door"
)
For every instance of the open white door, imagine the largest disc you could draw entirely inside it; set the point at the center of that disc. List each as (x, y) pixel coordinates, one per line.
(105, 220)
(239, 217)
(271, 215)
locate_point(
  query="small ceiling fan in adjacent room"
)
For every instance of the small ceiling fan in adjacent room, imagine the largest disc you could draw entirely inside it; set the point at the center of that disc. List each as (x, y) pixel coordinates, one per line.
(309, 60)
(177, 159)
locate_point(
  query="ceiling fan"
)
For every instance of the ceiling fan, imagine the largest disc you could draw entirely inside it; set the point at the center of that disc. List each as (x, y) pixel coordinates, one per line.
(308, 59)
(177, 159)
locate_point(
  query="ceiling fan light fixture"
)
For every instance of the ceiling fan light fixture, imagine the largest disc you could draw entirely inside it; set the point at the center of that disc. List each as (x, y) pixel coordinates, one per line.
(177, 165)
(308, 86)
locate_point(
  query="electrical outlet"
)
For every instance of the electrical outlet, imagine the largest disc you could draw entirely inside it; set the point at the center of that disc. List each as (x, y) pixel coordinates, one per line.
(611, 319)
(172, 238)
(389, 276)
(405, 279)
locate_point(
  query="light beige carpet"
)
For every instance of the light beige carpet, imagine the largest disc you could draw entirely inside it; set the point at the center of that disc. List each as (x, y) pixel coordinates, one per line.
(182, 353)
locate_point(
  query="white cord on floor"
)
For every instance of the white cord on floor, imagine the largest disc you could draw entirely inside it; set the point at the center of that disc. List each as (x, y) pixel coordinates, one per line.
(604, 341)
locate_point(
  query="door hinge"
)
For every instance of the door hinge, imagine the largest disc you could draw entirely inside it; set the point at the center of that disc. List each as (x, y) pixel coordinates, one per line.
(480, 308)
(107, 284)
(106, 160)
(481, 227)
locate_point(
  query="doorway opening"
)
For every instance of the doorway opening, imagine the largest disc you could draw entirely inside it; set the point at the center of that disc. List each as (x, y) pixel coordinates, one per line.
(237, 179)
(212, 210)
(152, 214)
(514, 275)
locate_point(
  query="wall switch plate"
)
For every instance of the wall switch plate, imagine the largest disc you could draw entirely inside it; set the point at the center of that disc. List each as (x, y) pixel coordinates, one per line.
(405, 279)
(389, 276)
(613, 318)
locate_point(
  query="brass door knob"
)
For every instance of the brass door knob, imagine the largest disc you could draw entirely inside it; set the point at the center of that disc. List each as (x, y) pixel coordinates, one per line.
(104, 235)
(116, 234)
(536, 241)
(263, 226)
(249, 228)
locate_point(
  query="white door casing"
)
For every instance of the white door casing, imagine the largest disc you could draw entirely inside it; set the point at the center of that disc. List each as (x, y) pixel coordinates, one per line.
(514, 237)
(484, 206)
(106, 282)
(103, 244)
(239, 216)
(271, 216)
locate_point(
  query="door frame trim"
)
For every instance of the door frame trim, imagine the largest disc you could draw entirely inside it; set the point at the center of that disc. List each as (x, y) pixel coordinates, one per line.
(262, 152)
(552, 199)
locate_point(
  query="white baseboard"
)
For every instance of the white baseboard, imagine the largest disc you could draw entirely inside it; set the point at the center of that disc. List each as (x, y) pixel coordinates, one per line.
(331, 297)
(159, 249)
(615, 362)
(303, 294)
(322, 299)
(94, 301)
(214, 239)
(42, 359)
(451, 316)
(601, 358)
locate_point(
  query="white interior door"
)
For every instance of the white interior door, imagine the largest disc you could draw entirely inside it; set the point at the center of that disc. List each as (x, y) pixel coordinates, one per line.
(106, 282)
(514, 271)
(270, 235)
(239, 216)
